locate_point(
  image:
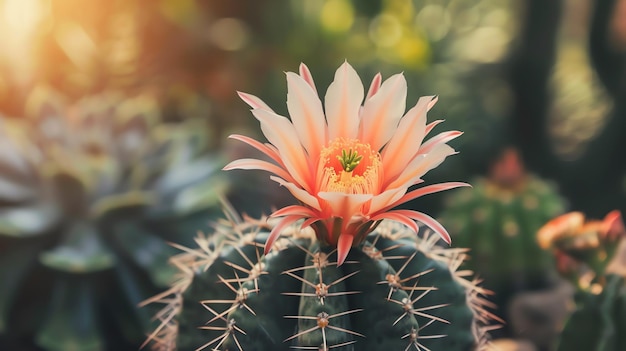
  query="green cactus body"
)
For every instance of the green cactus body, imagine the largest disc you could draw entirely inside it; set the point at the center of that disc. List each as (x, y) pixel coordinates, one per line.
(600, 319)
(97, 190)
(394, 292)
(499, 226)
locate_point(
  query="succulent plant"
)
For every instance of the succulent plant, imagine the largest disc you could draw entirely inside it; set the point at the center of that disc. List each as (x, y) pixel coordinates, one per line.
(589, 255)
(395, 291)
(497, 219)
(598, 322)
(343, 269)
(91, 195)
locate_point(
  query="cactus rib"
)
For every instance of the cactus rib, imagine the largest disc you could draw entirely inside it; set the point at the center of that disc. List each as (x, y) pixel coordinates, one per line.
(391, 287)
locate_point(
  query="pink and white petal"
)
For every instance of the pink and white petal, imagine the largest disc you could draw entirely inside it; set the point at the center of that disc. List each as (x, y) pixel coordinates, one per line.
(428, 221)
(440, 138)
(344, 244)
(343, 100)
(344, 205)
(307, 114)
(432, 125)
(294, 210)
(299, 193)
(397, 217)
(407, 138)
(430, 189)
(276, 231)
(374, 86)
(252, 163)
(267, 149)
(281, 133)
(254, 101)
(306, 75)
(385, 199)
(307, 222)
(382, 112)
(420, 165)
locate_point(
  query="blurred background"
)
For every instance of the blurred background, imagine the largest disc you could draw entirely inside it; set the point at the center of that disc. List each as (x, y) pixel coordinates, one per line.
(115, 113)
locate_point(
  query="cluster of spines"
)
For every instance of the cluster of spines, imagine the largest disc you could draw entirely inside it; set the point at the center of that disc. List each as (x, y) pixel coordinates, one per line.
(235, 233)
(191, 260)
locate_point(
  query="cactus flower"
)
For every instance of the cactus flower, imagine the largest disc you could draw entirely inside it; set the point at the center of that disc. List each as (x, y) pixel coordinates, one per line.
(584, 249)
(351, 161)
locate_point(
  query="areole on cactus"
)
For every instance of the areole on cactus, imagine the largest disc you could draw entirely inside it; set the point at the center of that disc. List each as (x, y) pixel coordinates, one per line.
(396, 291)
(343, 270)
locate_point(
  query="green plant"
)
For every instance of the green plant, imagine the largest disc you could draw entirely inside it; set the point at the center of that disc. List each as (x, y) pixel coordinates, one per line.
(587, 253)
(395, 291)
(348, 273)
(94, 191)
(497, 219)
(599, 319)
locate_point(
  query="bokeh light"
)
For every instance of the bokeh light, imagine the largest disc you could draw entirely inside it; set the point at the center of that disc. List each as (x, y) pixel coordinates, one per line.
(509, 73)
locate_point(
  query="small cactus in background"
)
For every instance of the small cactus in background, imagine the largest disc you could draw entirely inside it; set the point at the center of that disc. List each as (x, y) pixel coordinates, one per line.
(394, 292)
(588, 253)
(343, 270)
(92, 193)
(497, 219)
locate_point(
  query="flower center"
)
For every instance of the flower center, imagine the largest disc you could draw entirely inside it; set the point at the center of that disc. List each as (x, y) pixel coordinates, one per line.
(350, 166)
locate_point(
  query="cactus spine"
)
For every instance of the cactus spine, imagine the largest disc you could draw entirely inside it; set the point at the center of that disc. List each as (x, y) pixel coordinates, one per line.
(345, 280)
(395, 292)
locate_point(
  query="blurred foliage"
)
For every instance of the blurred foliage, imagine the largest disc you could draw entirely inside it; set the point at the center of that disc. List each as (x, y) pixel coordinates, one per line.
(91, 195)
(535, 74)
(499, 225)
(568, 77)
(216, 48)
(592, 255)
(455, 48)
(497, 219)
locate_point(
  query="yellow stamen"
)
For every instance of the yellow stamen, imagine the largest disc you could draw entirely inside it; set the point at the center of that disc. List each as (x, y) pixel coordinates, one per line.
(346, 177)
(350, 166)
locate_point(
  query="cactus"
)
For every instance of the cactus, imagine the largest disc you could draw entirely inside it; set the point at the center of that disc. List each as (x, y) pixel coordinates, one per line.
(497, 220)
(598, 322)
(92, 194)
(395, 292)
(342, 270)
(588, 254)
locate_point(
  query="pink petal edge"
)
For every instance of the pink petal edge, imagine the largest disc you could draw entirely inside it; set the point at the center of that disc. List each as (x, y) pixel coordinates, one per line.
(252, 163)
(429, 222)
(294, 210)
(254, 101)
(430, 189)
(374, 86)
(344, 244)
(342, 102)
(275, 233)
(305, 73)
(267, 150)
(381, 113)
